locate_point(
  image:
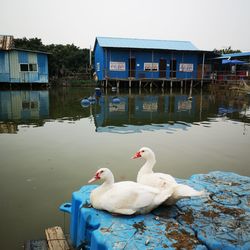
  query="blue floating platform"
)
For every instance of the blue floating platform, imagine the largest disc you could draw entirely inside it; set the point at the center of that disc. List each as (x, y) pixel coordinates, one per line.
(219, 221)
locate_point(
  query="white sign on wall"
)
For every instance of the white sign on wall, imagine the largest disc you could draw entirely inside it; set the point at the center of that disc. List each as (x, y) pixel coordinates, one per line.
(151, 66)
(186, 67)
(117, 66)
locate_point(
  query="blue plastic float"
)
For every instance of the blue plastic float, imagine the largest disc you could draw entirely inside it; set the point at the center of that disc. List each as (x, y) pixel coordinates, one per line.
(85, 102)
(116, 100)
(218, 221)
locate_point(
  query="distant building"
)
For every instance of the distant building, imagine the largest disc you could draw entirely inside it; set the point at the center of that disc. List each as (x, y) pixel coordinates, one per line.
(244, 56)
(145, 59)
(232, 67)
(20, 65)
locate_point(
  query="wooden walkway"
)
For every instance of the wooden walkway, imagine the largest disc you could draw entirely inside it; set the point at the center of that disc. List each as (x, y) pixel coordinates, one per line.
(55, 240)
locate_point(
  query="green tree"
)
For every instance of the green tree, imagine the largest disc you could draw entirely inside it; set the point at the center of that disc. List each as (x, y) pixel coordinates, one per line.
(228, 50)
(31, 44)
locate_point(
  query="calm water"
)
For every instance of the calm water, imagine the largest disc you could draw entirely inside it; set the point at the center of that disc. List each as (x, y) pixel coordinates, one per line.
(51, 145)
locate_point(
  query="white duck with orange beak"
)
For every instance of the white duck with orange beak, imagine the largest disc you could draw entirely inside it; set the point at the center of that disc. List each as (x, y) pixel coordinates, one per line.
(126, 197)
(146, 176)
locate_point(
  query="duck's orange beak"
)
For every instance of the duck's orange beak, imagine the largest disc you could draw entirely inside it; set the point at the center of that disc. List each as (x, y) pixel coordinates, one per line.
(95, 178)
(136, 155)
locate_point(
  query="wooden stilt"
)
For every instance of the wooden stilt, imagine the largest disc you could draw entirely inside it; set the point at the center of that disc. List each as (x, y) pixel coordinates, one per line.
(191, 89)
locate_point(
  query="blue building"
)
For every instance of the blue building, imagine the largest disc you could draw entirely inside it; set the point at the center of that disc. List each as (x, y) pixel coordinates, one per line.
(22, 66)
(143, 59)
(232, 67)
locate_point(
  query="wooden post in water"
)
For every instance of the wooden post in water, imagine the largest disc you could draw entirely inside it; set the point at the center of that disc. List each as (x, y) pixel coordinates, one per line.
(191, 89)
(203, 66)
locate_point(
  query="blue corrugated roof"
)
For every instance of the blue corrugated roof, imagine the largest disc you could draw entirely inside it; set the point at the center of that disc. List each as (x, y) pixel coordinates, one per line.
(225, 56)
(145, 43)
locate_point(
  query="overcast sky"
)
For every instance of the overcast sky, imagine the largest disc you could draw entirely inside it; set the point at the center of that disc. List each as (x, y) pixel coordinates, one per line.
(208, 24)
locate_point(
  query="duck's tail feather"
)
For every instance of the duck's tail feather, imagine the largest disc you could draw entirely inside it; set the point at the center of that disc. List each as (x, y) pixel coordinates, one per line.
(183, 191)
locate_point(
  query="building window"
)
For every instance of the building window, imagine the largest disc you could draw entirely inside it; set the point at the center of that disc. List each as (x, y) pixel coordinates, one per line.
(151, 66)
(24, 67)
(29, 105)
(32, 67)
(28, 67)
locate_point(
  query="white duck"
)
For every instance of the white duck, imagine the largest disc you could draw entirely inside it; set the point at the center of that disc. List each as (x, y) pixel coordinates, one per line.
(162, 181)
(125, 197)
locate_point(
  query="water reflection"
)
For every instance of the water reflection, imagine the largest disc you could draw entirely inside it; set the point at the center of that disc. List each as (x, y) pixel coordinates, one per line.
(137, 112)
(121, 112)
(22, 107)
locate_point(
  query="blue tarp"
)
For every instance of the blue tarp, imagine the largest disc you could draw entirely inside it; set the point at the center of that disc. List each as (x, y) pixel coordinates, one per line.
(226, 61)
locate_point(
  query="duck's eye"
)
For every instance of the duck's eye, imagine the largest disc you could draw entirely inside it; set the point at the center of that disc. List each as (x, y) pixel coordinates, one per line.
(142, 151)
(101, 171)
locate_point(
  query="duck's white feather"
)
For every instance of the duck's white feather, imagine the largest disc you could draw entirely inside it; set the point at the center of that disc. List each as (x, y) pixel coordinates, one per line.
(162, 181)
(127, 197)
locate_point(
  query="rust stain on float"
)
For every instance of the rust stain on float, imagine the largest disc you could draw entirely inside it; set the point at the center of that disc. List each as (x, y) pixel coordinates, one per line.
(140, 226)
(183, 239)
(188, 217)
(210, 214)
(236, 212)
(105, 230)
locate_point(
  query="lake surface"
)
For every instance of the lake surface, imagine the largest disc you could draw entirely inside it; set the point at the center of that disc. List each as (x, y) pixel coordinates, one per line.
(51, 145)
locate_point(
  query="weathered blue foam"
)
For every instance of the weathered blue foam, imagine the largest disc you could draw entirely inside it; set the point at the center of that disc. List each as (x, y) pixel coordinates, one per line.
(218, 221)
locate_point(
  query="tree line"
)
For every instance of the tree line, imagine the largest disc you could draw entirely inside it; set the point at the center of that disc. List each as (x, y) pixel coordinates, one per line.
(64, 60)
(227, 50)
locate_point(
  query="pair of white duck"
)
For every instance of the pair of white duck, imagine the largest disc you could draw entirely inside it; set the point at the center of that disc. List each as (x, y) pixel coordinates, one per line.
(150, 190)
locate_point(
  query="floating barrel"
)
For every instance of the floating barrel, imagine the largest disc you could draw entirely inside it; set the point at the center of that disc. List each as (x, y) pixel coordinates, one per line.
(116, 100)
(85, 102)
